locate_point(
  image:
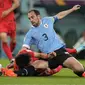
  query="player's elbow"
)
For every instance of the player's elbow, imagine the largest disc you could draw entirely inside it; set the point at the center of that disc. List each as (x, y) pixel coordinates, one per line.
(59, 16)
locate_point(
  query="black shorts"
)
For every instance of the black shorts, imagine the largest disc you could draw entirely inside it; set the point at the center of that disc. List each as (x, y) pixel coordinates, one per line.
(61, 56)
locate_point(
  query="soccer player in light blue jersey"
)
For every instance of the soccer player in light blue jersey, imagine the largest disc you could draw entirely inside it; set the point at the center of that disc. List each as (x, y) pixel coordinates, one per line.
(47, 41)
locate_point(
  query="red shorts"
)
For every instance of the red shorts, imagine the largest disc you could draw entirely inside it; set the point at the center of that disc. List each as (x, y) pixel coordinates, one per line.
(9, 27)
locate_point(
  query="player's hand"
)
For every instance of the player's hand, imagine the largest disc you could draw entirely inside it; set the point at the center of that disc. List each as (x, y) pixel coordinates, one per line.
(76, 7)
(4, 13)
(52, 54)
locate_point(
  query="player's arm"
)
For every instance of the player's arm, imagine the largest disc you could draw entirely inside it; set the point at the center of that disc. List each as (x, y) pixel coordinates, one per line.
(37, 54)
(65, 13)
(45, 56)
(40, 55)
(15, 5)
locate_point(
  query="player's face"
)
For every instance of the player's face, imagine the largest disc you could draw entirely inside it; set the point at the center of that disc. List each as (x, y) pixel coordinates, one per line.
(34, 19)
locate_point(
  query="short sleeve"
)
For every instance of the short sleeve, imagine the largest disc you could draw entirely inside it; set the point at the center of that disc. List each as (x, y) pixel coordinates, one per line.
(27, 39)
(55, 18)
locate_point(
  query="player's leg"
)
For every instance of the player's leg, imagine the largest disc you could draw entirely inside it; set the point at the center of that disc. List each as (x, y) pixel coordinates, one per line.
(43, 69)
(67, 60)
(49, 72)
(70, 62)
(12, 34)
(75, 65)
(12, 43)
(3, 37)
(56, 70)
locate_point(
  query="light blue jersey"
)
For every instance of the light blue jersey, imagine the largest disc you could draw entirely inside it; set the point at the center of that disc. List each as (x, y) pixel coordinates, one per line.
(44, 36)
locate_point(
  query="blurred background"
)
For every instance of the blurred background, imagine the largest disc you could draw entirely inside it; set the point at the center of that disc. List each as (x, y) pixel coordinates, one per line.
(71, 28)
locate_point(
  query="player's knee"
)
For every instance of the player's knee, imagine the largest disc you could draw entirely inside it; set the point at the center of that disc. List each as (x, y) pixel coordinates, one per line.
(78, 67)
(4, 40)
(73, 64)
(13, 40)
(3, 36)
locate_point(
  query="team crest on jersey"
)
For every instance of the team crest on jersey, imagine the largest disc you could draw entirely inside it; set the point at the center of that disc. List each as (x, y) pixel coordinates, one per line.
(46, 25)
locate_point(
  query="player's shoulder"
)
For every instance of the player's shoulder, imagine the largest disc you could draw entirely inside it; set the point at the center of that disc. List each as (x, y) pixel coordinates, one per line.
(31, 29)
(45, 19)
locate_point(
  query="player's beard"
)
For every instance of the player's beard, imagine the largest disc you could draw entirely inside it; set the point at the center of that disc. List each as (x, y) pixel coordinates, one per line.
(35, 24)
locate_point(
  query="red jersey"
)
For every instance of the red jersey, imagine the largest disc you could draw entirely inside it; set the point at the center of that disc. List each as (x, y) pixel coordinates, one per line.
(4, 5)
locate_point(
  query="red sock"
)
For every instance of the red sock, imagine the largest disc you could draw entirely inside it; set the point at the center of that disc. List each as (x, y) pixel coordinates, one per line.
(56, 70)
(7, 50)
(12, 46)
(71, 50)
(83, 75)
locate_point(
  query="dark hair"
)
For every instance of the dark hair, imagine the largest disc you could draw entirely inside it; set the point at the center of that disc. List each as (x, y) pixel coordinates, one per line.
(22, 60)
(35, 11)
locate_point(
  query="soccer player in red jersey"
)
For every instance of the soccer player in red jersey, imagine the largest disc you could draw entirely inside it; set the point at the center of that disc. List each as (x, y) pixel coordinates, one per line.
(34, 58)
(8, 25)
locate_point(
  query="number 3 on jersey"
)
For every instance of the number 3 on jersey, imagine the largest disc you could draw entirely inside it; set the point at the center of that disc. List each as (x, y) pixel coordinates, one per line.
(45, 37)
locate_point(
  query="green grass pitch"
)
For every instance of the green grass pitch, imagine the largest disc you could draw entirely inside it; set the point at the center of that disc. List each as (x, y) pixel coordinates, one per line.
(64, 77)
